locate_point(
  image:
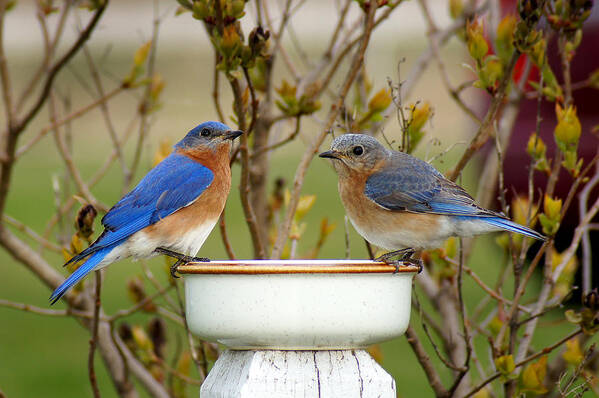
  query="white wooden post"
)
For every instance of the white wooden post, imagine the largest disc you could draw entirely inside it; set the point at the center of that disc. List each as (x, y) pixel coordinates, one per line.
(307, 374)
(297, 328)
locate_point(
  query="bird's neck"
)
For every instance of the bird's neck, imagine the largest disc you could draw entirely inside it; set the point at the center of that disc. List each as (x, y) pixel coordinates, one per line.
(217, 159)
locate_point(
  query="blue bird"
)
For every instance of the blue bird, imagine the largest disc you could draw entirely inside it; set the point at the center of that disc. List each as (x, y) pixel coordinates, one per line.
(397, 201)
(171, 211)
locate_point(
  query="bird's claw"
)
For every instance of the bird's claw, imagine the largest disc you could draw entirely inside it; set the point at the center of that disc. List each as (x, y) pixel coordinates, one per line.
(198, 260)
(405, 255)
(185, 260)
(174, 268)
(181, 259)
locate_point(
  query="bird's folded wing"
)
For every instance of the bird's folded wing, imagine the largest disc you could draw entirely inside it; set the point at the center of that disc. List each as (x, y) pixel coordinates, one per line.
(419, 188)
(174, 183)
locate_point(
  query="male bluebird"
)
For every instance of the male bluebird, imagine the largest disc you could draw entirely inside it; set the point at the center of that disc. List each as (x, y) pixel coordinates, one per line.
(396, 201)
(173, 208)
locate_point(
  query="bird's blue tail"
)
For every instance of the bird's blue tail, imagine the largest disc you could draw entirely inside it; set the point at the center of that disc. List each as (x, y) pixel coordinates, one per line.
(79, 273)
(513, 227)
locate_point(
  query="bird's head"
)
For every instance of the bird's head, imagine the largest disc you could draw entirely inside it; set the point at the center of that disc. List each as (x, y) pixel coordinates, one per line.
(214, 136)
(356, 153)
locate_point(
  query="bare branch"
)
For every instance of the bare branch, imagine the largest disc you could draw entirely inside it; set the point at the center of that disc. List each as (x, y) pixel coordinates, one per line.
(57, 67)
(526, 360)
(283, 231)
(431, 373)
(94, 331)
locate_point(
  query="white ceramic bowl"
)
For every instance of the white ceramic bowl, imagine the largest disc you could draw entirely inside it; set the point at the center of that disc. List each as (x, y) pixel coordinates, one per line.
(297, 304)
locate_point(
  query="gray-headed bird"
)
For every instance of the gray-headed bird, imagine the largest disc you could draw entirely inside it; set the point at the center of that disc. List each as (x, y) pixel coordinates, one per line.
(397, 201)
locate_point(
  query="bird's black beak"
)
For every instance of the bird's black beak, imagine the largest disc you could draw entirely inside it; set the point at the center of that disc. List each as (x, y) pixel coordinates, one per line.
(329, 154)
(231, 135)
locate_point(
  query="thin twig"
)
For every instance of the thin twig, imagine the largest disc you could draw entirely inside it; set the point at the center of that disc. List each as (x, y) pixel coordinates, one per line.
(45, 311)
(31, 233)
(94, 337)
(144, 106)
(138, 306)
(532, 357)
(225, 236)
(57, 67)
(283, 231)
(284, 141)
(244, 188)
(73, 115)
(465, 326)
(429, 370)
(482, 134)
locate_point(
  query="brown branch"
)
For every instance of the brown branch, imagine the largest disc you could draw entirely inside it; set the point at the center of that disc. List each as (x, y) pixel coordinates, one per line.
(138, 306)
(255, 102)
(82, 302)
(492, 293)
(50, 48)
(57, 67)
(520, 291)
(95, 179)
(244, 187)
(434, 45)
(215, 90)
(106, 114)
(145, 103)
(92, 343)
(5, 75)
(424, 325)
(73, 115)
(532, 357)
(225, 236)
(345, 51)
(201, 364)
(482, 134)
(45, 311)
(429, 370)
(358, 59)
(278, 35)
(284, 141)
(31, 233)
(465, 327)
(69, 163)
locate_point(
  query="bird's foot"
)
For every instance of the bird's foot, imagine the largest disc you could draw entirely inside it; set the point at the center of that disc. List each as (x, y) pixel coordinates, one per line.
(405, 255)
(174, 268)
(181, 259)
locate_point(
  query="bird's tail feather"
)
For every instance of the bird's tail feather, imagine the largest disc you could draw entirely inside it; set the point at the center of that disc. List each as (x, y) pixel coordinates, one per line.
(514, 227)
(79, 273)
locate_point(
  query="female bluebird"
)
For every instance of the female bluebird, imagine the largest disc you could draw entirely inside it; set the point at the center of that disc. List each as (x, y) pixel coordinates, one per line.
(173, 208)
(396, 201)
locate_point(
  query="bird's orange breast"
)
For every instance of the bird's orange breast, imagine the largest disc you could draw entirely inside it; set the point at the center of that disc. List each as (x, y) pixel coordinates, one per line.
(207, 207)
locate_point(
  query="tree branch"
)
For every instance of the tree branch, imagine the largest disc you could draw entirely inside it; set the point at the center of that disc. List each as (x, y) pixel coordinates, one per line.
(283, 231)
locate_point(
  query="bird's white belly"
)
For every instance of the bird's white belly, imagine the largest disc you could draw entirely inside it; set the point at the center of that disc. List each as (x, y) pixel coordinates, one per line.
(392, 235)
(142, 245)
(191, 242)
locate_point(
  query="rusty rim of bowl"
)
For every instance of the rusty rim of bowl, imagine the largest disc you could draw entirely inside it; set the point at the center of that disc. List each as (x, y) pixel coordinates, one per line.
(253, 267)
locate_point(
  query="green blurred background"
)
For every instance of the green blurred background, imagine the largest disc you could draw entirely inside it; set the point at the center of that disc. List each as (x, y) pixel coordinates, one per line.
(47, 356)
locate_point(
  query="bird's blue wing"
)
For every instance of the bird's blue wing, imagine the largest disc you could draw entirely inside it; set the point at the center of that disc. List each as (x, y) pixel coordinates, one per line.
(174, 183)
(410, 184)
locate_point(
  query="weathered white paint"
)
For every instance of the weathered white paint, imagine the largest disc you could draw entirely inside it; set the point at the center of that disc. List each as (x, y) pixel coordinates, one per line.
(295, 374)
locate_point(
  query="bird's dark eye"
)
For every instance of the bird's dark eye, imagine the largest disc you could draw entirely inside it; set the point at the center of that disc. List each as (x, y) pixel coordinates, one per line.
(358, 150)
(205, 133)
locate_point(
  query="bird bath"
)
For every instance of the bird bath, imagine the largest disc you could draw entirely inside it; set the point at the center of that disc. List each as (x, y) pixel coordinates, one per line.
(288, 321)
